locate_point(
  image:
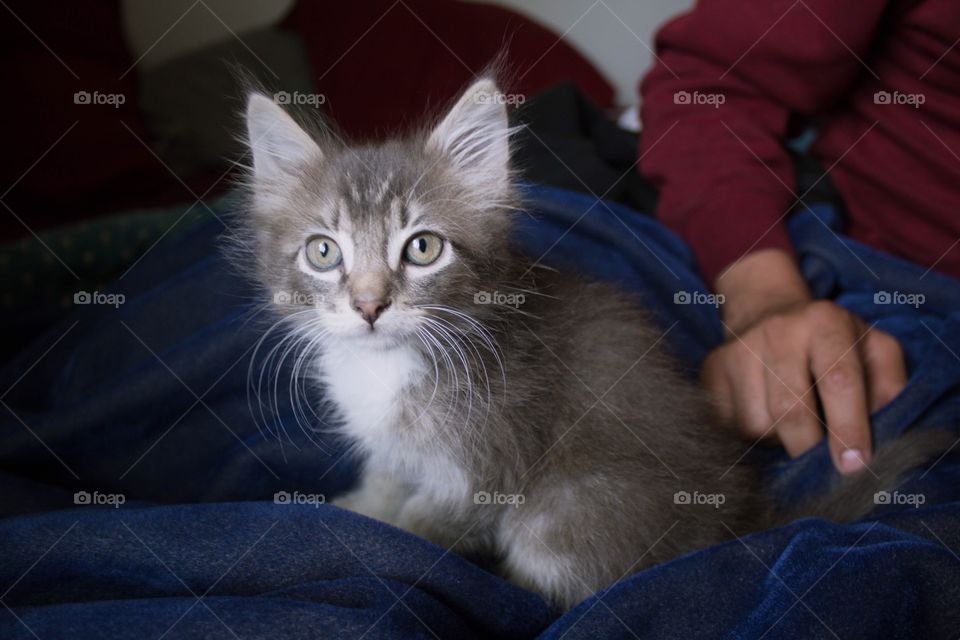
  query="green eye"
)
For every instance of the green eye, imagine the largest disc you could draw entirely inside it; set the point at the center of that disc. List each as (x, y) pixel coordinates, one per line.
(323, 253)
(423, 249)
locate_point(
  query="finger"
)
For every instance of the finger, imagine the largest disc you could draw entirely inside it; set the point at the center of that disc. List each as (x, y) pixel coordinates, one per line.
(839, 373)
(748, 387)
(790, 399)
(715, 380)
(886, 368)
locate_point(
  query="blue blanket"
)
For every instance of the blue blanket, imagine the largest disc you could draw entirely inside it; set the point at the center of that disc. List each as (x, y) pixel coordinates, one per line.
(140, 498)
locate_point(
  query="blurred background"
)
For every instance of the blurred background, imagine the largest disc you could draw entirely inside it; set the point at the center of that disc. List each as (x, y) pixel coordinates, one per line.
(122, 116)
(615, 35)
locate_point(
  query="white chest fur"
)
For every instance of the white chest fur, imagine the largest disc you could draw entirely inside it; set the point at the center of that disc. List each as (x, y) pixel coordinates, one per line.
(369, 386)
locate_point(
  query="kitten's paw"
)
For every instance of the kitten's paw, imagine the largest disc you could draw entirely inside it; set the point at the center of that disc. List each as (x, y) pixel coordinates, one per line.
(347, 501)
(377, 497)
(416, 517)
(547, 555)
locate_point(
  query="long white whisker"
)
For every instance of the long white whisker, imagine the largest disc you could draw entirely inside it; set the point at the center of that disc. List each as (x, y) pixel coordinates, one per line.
(295, 387)
(467, 341)
(489, 340)
(251, 390)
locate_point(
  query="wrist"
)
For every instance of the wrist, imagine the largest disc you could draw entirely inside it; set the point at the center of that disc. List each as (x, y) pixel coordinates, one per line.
(759, 285)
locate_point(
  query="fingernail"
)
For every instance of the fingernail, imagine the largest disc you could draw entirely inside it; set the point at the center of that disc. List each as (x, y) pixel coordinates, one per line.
(851, 460)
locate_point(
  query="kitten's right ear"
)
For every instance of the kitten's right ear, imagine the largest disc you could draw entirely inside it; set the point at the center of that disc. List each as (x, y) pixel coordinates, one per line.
(280, 147)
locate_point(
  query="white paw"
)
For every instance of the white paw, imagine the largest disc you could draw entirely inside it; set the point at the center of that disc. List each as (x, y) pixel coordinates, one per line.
(377, 497)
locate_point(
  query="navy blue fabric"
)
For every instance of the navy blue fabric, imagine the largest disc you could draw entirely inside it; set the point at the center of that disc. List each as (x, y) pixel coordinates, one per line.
(149, 401)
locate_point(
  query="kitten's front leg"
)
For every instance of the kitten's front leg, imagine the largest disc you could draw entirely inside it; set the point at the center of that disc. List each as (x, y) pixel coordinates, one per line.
(379, 495)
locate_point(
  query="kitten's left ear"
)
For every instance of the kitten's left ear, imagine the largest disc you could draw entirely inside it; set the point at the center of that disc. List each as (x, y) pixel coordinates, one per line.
(475, 135)
(280, 147)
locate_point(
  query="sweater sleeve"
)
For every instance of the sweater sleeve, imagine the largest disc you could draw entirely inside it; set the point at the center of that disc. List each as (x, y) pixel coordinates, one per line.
(715, 108)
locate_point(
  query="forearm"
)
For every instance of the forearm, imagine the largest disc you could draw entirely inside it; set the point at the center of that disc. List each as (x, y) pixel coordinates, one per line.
(716, 118)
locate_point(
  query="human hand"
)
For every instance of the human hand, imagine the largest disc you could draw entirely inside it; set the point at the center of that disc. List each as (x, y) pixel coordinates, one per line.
(786, 350)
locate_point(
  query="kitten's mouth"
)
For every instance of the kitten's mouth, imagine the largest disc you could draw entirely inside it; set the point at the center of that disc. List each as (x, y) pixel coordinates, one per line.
(378, 336)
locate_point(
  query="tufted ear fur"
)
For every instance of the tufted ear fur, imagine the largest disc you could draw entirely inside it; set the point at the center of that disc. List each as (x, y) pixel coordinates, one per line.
(475, 136)
(279, 146)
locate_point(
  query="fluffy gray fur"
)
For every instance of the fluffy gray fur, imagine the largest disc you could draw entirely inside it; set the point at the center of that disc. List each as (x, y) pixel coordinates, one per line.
(566, 403)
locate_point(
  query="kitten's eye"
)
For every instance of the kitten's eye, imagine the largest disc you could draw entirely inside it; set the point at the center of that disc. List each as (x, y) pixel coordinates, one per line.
(323, 253)
(423, 249)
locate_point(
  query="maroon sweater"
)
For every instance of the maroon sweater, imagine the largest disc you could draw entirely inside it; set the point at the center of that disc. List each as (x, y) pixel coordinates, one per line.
(880, 78)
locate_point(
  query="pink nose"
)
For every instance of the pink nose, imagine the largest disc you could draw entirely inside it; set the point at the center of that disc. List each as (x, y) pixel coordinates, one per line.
(370, 310)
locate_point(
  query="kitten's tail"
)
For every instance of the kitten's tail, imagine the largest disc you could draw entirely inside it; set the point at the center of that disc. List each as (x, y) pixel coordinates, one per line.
(856, 496)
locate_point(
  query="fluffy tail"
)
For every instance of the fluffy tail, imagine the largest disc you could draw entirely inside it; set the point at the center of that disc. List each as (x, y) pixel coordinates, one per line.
(854, 496)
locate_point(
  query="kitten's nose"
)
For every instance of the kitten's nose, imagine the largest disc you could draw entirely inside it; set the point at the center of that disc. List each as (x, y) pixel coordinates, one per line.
(370, 307)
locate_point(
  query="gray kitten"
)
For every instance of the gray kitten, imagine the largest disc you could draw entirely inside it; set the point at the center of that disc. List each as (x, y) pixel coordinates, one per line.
(501, 407)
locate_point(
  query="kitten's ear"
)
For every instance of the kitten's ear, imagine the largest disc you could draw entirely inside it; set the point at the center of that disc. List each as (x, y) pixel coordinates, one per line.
(278, 144)
(476, 136)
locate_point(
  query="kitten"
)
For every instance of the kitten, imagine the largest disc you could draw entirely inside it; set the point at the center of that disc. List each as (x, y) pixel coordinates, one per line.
(542, 423)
